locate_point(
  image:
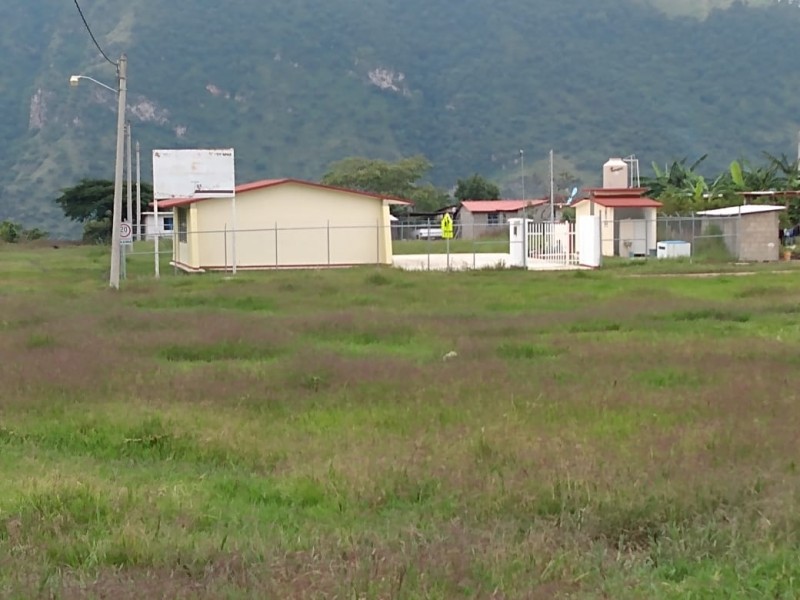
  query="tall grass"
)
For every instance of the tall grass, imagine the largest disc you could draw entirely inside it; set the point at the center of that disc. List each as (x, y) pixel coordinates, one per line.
(302, 435)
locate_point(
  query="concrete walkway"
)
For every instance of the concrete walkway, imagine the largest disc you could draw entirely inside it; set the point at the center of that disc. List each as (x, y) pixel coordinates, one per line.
(462, 262)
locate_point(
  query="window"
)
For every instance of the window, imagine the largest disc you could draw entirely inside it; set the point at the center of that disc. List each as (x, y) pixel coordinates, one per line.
(493, 218)
(183, 224)
(168, 224)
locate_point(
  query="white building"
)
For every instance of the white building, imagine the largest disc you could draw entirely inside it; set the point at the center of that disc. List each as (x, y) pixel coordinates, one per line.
(164, 228)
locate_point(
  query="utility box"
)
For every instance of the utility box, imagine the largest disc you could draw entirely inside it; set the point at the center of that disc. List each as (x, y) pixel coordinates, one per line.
(673, 249)
(516, 241)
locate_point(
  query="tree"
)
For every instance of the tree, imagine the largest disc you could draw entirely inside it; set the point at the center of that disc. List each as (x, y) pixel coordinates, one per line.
(91, 202)
(11, 233)
(476, 188)
(400, 179)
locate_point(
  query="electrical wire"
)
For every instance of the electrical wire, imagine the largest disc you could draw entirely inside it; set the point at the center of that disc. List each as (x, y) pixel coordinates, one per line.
(89, 29)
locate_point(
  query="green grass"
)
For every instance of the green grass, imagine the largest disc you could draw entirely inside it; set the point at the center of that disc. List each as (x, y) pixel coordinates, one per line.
(457, 246)
(300, 434)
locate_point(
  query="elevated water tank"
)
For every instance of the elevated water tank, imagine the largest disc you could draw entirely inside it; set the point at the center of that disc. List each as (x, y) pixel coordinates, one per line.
(615, 173)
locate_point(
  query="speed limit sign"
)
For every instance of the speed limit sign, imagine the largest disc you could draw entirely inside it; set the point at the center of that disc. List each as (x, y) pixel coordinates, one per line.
(126, 233)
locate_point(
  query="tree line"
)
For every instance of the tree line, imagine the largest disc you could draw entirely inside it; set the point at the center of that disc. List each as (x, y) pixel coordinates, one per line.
(680, 186)
(683, 189)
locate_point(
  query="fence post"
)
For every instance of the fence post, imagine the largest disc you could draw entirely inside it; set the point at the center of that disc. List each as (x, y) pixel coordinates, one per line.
(276, 244)
(429, 243)
(524, 240)
(377, 242)
(474, 248)
(225, 245)
(329, 242)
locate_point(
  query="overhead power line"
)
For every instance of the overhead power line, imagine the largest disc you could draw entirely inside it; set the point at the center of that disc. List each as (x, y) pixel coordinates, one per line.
(89, 29)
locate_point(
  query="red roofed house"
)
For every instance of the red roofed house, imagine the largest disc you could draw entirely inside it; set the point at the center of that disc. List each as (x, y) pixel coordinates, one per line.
(628, 219)
(478, 218)
(281, 223)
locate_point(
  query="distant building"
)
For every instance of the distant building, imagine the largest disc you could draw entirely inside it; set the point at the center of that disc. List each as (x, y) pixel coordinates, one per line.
(751, 231)
(163, 228)
(282, 223)
(480, 218)
(628, 219)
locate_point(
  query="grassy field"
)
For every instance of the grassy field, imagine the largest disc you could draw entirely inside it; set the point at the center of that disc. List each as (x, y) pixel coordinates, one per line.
(497, 244)
(610, 434)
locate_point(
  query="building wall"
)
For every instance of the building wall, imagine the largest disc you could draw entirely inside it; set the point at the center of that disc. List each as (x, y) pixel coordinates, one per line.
(151, 229)
(758, 237)
(292, 225)
(473, 226)
(646, 228)
(607, 229)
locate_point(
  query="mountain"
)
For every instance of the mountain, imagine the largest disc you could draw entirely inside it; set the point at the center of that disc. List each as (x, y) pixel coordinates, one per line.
(293, 86)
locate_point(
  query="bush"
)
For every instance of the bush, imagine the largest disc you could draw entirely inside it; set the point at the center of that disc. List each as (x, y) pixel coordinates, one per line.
(10, 232)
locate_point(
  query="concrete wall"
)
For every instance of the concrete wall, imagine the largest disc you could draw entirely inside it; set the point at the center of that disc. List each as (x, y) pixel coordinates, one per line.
(607, 229)
(758, 237)
(315, 227)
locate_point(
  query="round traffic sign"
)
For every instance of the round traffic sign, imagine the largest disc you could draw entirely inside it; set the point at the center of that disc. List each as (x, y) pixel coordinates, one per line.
(125, 230)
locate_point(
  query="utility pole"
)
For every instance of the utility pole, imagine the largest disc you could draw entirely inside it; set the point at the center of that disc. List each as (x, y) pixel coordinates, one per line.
(138, 194)
(798, 146)
(552, 191)
(129, 175)
(116, 220)
(524, 211)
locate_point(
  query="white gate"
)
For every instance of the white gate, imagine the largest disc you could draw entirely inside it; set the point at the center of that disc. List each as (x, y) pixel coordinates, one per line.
(552, 243)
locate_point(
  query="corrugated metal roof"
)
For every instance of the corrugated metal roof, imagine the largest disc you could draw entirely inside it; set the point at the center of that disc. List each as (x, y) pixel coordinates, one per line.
(492, 206)
(744, 209)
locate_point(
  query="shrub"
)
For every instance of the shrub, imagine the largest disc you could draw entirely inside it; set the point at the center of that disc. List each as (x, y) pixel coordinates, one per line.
(10, 232)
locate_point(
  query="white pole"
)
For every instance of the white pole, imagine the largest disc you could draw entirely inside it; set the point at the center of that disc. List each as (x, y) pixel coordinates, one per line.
(138, 194)
(156, 236)
(552, 191)
(524, 213)
(129, 175)
(116, 219)
(233, 233)
(798, 146)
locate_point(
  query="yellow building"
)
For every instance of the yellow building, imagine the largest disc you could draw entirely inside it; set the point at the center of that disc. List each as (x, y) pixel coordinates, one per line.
(281, 223)
(628, 220)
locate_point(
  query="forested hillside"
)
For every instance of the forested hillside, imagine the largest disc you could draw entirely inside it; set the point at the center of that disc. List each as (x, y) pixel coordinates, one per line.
(296, 85)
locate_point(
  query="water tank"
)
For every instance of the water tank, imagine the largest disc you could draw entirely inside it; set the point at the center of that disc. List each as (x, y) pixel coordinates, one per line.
(615, 173)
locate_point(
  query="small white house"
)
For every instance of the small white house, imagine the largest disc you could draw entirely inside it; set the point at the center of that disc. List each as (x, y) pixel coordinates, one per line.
(163, 227)
(628, 219)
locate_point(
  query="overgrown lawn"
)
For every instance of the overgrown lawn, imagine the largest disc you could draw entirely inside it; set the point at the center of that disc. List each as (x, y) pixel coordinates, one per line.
(374, 433)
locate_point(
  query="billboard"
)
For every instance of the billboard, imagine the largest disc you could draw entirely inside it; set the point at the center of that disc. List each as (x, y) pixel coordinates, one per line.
(195, 173)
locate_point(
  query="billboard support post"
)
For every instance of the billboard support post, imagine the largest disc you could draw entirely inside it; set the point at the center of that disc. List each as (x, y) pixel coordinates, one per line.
(188, 175)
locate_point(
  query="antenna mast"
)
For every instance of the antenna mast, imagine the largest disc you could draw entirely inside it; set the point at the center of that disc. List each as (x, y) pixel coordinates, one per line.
(633, 171)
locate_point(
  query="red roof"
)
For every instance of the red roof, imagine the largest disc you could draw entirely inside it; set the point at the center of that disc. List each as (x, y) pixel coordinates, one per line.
(266, 183)
(616, 192)
(492, 206)
(623, 202)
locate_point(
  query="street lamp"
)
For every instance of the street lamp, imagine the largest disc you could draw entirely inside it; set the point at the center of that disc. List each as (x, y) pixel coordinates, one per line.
(76, 79)
(116, 221)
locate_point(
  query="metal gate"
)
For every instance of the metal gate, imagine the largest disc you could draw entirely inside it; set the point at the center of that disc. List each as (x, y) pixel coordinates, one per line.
(552, 243)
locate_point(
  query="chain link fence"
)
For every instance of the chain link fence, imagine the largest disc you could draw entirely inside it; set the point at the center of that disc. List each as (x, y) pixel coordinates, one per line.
(668, 236)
